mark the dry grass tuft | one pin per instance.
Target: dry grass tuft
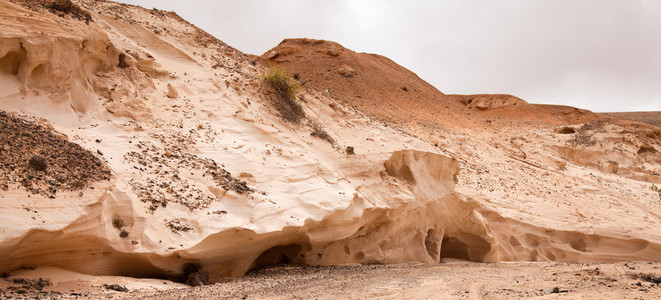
(319, 131)
(285, 88)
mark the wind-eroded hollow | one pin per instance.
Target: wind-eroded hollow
(465, 246)
(565, 130)
(281, 255)
(10, 63)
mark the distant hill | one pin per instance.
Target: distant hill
(649, 117)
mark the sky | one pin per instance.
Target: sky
(602, 55)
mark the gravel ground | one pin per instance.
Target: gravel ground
(449, 280)
(459, 280)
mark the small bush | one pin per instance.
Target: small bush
(319, 131)
(657, 190)
(285, 89)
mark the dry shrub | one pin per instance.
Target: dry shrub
(285, 88)
(657, 190)
(319, 131)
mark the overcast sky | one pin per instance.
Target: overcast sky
(602, 55)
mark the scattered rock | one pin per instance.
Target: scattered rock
(272, 55)
(350, 150)
(38, 163)
(653, 278)
(115, 287)
(177, 225)
(646, 149)
(555, 290)
(172, 92)
(34, 284)
(167, 186)
(118, 222)
(346, 71)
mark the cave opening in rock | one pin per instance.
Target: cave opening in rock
(122, 61)
(194, 275)
(566, 130)
(465, 246)
(281, 255)
(38, 75)
(10, 63)
(454, 248)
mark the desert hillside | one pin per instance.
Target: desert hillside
(136, 144)
(649, 117)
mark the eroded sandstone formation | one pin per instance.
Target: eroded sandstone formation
(206, 180)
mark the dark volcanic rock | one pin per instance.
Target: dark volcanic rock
(35, 158)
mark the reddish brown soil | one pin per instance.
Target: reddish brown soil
(390, 93)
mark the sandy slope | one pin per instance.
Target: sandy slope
(208, 180)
